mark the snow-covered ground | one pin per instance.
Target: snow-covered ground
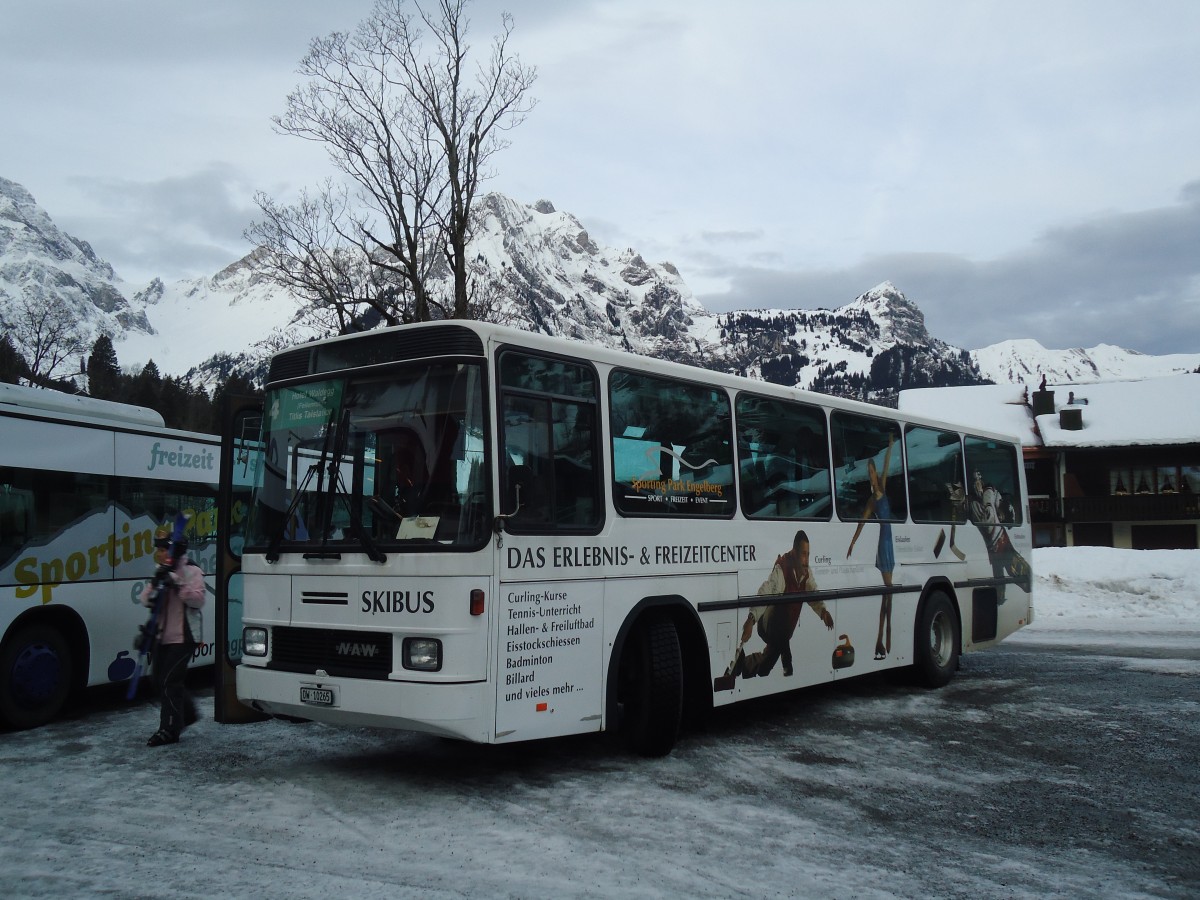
(811, 798)
(1115, 596)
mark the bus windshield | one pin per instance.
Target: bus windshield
(391, 462)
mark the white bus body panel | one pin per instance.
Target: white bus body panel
(534, 686)
(97, 565)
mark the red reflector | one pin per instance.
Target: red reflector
(477, 602)
(542, 707)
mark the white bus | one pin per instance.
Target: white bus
(498, 536)
(83, 483)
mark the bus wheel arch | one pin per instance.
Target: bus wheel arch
(43, 661)
(658, 675)
(937, 638)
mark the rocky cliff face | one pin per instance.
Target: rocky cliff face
(46, 266)
(867, 349)
(555, 279)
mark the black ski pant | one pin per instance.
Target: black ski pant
(170, 670)
(775, 628)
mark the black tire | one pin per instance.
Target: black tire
(35, 676)
(650, 692)
(936, 643)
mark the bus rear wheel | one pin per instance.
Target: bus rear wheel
(937, 641)
(650, 691)
(35, 676)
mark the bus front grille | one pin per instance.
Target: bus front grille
(346, 654)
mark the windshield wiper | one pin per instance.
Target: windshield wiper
(336, 486)
(318, 466)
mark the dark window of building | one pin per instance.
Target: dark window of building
(1093, 534)
(1040, 477)
(1162, 537)
(1144, 480)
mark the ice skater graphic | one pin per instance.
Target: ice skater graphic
(879, 508)
(958, 500)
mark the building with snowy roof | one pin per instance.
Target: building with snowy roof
(1113, 464)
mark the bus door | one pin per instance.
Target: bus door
(241, 454)
(549, 668)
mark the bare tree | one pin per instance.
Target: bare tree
(302, 247)
(414, 126)
(46, 334)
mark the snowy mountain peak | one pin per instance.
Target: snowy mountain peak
(151, 294)
(42, 266)
(543, 271)
(1025, 361)
(26, 229)
(899, 318)
(554, 278)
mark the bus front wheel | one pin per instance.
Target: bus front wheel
(651, 688)
(937, 642)
(35, 676)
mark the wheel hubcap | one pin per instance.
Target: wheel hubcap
(35, 676)
(941, 639)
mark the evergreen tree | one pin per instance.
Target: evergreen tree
(147, 388)
(102, 370)
(172, 403)
(12, 364)
(236, 385)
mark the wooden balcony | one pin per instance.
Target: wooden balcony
(1045, 509)
(1133, 508)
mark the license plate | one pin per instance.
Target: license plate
(317, 696)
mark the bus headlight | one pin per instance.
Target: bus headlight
(254, 641)
(422, 654)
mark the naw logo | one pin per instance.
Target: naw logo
(351, 648)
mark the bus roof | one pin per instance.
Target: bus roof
(302, 363)
(90, 407)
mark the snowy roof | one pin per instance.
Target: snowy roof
(988, 407)
(1151, 411)
(1128, 413)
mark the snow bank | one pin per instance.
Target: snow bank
(1115, 592)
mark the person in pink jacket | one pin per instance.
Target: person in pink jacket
(179, 629)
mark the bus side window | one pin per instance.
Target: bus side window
(16, 517)
(549, 443)
(935, 474)
(993, 481)
(37, 504)
(783, 459)
(868, 457)
(160, 500)
(672, 447)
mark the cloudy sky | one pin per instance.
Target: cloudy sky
(1019, 169)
